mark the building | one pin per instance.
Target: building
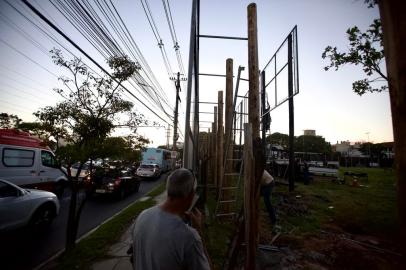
(348, 149)
(309, 132)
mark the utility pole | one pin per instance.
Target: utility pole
(167, 136)
(175, 121)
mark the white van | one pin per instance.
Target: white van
(25, 162)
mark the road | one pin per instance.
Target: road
(23, 250)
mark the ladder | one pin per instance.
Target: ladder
(228, 196)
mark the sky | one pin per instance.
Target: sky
(325, 102)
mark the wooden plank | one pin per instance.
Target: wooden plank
(249, 178)
(220, 140)
(228, 165)
(215, 145)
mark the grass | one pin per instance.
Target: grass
(217, 235)
(96, 245)
(368, 209)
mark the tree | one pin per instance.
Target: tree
(9, 120)
(91, 109)
(278, 138)
(314, 144)
(124, 148)
(365, 49)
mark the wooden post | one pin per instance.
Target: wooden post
(229, 100)
(253, 70)
(220, 141)
(208, 156)
(249, 211)
(228, 164)
(253, 179)
(212, 152)
(394, 37)
(216, 145)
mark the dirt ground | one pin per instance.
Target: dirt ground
(329, 247)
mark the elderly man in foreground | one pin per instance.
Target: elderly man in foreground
(162, 239)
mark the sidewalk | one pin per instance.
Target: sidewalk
(118, 258)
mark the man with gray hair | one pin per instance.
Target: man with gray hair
(161, 238)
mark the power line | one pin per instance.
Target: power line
(95, 31)
(19, 96)
(84, 53)
(31, 39)
(47, 94)
(15, 106)
(26, 56)
(21, 74)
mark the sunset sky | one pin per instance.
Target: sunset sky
(325, 103)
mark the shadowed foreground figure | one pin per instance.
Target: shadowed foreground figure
(161, 238)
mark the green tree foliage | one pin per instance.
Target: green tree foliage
(303, 143)
(123, 148)
(313, 144)
(9, 120)
(365, 49)
(278, 138)
(91, 109)
(373, 149)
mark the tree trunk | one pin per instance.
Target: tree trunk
(70, 230)
(394, 37)
(74, 215)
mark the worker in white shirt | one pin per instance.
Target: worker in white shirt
(267, 184)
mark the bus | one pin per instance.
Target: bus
(160, 157)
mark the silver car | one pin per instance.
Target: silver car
(148, 171)
(20, 207)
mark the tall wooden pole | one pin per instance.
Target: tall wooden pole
(228, 132)
(253, 180)
(253, 70)
(220, 141)
(394, 37)
(229, 100)
(215, 145)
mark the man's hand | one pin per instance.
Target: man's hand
(195, 217)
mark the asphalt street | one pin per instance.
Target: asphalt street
(23, 249)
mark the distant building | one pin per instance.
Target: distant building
(309, 132)
(348, 149)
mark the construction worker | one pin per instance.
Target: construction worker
(267, 184)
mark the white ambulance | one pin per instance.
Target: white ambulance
(26, 162)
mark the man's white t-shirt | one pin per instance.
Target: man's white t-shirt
(163, 241)
(266, 178)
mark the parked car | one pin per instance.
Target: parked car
(149, 171)
(21, 207)
(118, 182)
(84, 172)
(26, 162)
